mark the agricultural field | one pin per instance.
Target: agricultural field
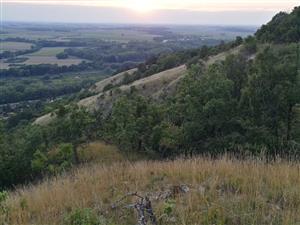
(48, 51)
(14, 46)
(36, 60)
(45, 55)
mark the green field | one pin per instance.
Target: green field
(51, 51)
(14, 46)
(36, 60)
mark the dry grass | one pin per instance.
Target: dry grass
(99, 152)
(102, 153)
(37, 60)
(114, 80)
(222, 191)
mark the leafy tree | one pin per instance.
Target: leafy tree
(54, 161)
(132, 123)
(283, 28)
(250, 45)
(272, 94)
(73, 127)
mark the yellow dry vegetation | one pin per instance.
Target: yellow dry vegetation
(101, 152)
(221, 191)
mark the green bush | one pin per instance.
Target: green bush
(3, 197)
(3, 206)
(55, 161)
(84, 217)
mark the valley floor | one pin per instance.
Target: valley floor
(184, 191)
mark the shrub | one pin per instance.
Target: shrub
(83, 217)
(3, 197)
(55, 161)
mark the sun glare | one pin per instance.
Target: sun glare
(141, 6)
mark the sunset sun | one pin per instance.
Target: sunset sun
(141, 6)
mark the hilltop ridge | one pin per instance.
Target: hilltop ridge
(283, 28)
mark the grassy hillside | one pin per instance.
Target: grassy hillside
(193, 191)
(155, 86)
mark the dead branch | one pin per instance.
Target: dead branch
(143, 207)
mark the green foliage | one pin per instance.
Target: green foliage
(4, 209)
(84, 217)
(55, 161)
(233, 105)
(238, 41)
(17, 149)
(132, 123)
(169, 207)
(283, 28)
(271, 95)
(62, 55)
(250, 44)
(30, 151)
(3, 197)
(17, 89)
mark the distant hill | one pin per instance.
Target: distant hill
(283, 28)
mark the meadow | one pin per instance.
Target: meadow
(217, 191)
(48, 51)
(36, 60)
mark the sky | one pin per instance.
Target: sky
(202, 12)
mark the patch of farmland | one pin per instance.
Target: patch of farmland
(14, 46)
(49, 51)
(36, 60)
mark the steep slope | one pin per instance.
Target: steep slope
(148, 87)
(114, 81)
(157, 86)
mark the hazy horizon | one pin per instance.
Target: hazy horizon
(216, 12)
